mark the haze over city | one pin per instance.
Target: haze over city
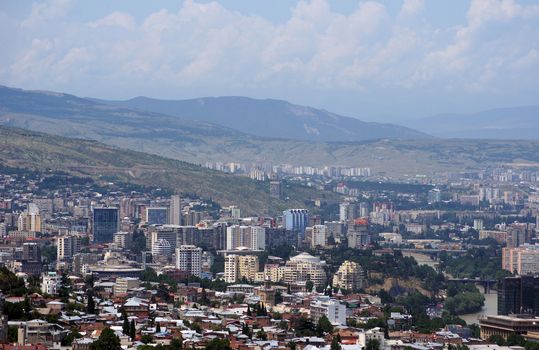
(269, 175)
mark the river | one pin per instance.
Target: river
(491, 299)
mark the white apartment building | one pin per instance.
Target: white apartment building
(189, 258)
(67, 246)
(50, 282)
(331, 308)
(252, 237)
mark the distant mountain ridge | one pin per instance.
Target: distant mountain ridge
(39, 151)
(511, 123)
(272, 118)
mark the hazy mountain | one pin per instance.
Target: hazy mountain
(39, 151)
(500, 123)
(272, 118)
(199, 142)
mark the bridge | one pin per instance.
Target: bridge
(433, 252)
(486, 283)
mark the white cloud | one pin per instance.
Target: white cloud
(45, 11)
(206, 46)
(115, 19)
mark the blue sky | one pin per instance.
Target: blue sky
(375, 60)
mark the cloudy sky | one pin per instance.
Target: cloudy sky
(376, 60)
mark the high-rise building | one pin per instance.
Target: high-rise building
(305, 267)
(358, 234)
(31, 252)
(123, 239)
(67, 246)
(523, 260)
(434, 196)
(296, 220)
(167, 233)
(319, 236)
(231, 268)
(276, 189)
(189, 258)
(30, 220)
(349, 276)
(105, 223)
(161, 249)
(238, 267)
(175, 210)
(157, 216)
(518, 295)
(252, 237)
(516, 235)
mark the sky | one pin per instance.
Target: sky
(374, 60)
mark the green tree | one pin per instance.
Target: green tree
(262, 335)
(218, 344)
(497, 339)
(63, 291)
(158, 328)
(68, 339)
(146, 339)
(335, 344)
(132, 330)
(90, 306)
(125, 325)
(372, 344)
(323, 326)
(309, 285)
(106, 341)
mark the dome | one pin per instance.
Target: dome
(305, 257)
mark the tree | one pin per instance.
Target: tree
(68, 339)
(262, 335)
(125, 326)
(309, 285)
(291, 345)
(176, 343)
(372, 344)
(323, 326)
(158, 328)
(497, 339)
(63, 291)
(246, 330)
(106, 341)
(278, 298)
(335, 344)
(218, 344)
(146, 339)
(132, 330)
(90, 306)
(249, 313)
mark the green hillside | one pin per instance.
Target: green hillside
(33, 150)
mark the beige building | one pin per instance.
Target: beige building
(30, 220)
(350, 276)
(305, 267)
(123, 284)
(524, 259)
(239, 266)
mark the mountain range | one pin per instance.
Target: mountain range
(197, 141)
(516, 123)
(271, 118)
